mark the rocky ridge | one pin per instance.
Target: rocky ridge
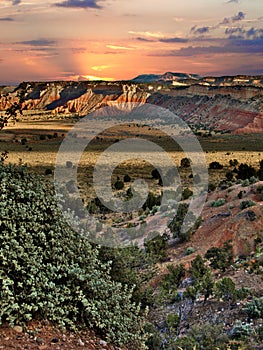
(216, 104)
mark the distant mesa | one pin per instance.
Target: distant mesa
(166, 77)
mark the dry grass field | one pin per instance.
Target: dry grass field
(36, 141)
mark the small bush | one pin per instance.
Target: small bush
(42, 137)
(226, 289)
(189, 251)
(218, 203)
(215, 166)
(155, 174)
(187, 193)
(246, 204)
(233, 162)
(241, 330)
(240, 194)
(245, 171)
(48, 171)
(254, 309)
(127, 178)
(220, 258)
(119, 185)
(185, 163)
(211, 187)
(245, 183)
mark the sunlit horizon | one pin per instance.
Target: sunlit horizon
(118, 40)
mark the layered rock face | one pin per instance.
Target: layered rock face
(235, 108)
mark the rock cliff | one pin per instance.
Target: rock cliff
(236, 108)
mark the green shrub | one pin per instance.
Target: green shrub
(48, 171)
(185, 163)
(215, 165)
(241, 330)
(245, 171)
(151, 201)
(174, 277)
(211, 187)
(254, 309)
(226, 289)
(245, 183)
(127, 178)
(240, 194)
(157, 246)
(218, 203)
(246, 204)
(220, 258)
(119, 185)
(155, 174)
(189, 251)
(48, 271)
(187, 193)
(176, 224)
(229, 175)
(233, 162)
(209, 336)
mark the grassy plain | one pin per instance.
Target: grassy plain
(36, 143)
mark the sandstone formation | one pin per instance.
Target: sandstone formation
(227, 103)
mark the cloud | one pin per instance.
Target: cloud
(173, 40)
(7, 19)
(231, 46)
(148, 34)
(231, 1)
(201, 30)
(38, 42)
(99, 68)
(245, 34)
(117, 47)
(84, 4)
(139, 38)
(16, 2)
(239, 17)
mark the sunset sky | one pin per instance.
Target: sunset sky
(120, 39)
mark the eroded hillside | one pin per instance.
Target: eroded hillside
(214, 104)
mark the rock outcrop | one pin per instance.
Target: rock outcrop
(218, 105)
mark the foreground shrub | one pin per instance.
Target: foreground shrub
(176, 225)
(218, 203)
(220, 258)
(254, 309)
(246, 204)
(48, 271)
(203, 337)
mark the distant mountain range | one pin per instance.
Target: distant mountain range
(188, 79)
(168, 76)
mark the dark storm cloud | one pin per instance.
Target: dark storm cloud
(201, 30)
(145, 39)
(251, 34)
(79, 4)
(173, 40)
(239, 17)
(231, 46)
(7, 19)
(38, 42)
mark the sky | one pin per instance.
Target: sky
(120, 39)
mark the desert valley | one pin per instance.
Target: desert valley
(166, 287)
